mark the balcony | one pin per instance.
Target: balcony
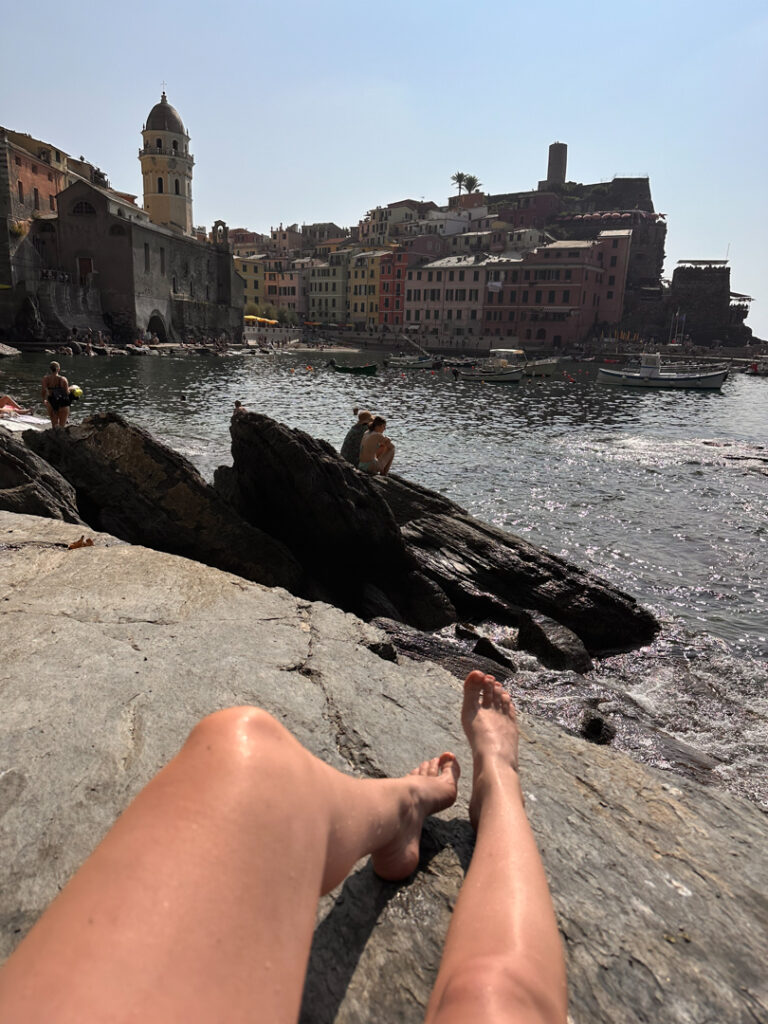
(163, 151)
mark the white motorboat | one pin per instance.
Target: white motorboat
(497, 369)
(651, 374)
(531, 367)
(414, 362)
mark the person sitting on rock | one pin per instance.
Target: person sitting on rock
(239, 407)
(376, 451)
(201, 901)
(56, 396)
(350, 447)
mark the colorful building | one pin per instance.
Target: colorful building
(393, 268)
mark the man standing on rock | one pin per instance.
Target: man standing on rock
(200, 904)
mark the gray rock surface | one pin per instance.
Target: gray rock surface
(6, 351)
(659, 884)
(144, 492)
(30, 486)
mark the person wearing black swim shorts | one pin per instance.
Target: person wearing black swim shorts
(56, 397)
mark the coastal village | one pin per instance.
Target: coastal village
(552, 268)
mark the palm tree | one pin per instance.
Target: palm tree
(459, 179)
(471, 183)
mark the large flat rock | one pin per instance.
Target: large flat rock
(111, 653)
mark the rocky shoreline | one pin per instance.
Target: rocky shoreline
(111, 652)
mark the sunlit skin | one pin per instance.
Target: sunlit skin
(200, 903)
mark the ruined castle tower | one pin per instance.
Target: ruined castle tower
(558, 161)
(166, 167)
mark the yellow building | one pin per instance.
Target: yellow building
(364, 287)
(252, 271)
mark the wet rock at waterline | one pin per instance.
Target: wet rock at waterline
(131, 485)
(29, 485)
(350, 530)
(655, 880)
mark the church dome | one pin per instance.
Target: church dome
(164, 118)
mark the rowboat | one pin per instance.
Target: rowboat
(512, 375)
(651, 374)
(368, 370)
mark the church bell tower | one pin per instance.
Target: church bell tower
(166, 167)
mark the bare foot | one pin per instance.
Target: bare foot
(433, 787)
(489, 720)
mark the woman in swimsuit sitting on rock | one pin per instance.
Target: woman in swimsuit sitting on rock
(200, 903)
(56, 396)
(376, 451)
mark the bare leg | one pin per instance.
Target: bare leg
(199, 905)
(503, 960)
(52, 413)
(63, 416)
(385, 460)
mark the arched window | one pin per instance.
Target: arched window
(176, 187)
(117, 229)
(175, 146)
(160, 185)
(159, 143)
(83, 209)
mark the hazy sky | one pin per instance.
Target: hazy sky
(317, 110)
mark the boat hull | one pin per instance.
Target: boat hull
(541, 368)
(358, 371)
(491, 377)
(697, 381)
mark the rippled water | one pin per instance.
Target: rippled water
(664, 494)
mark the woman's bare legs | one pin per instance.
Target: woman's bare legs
(385, 459)
(200, 903)
(503, 959)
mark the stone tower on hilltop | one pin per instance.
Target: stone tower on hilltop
(166, 167)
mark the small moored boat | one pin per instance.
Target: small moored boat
(368, 370)
(651, 374)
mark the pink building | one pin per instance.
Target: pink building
(393, 269)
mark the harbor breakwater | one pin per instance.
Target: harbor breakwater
(184, 639)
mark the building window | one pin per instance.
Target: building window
(146, 257)
(18, 161)
(537, 298)
(159, 143)
(51, 202)
(176, 187)
(615, 243)
(611, 279)
(160, 185)
(36, 199)
(21, 192)
(567, 295)
(173, 284)
(83, 209)
(609, 295)
(550, 296)
(175, 146)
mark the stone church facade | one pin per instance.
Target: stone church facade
(98, 260)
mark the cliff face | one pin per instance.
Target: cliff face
(111, 653)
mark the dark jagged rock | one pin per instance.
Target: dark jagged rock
(488, 649)
(297, 489)
(343, 527)
(130, 485)
(554, 645)
(595, 728)
(28, 485)
(442, 650)
(490, 574)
